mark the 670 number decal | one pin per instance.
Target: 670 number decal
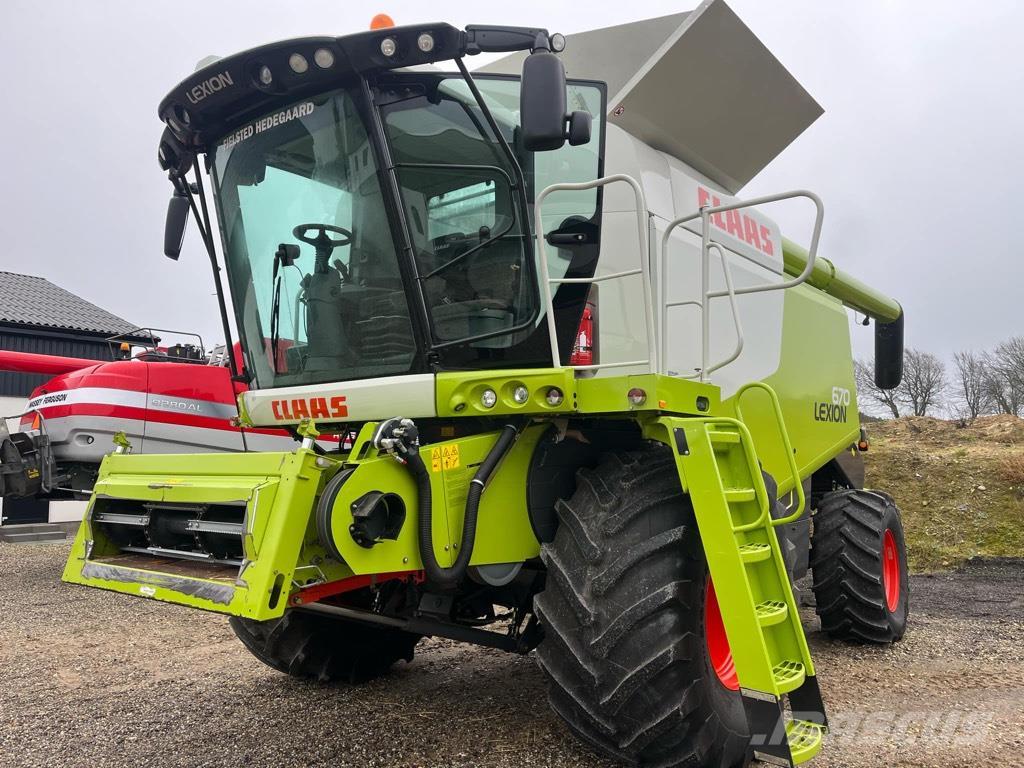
(837, 411)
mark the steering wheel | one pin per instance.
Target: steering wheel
(323, 242)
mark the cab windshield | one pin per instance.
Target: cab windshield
(311, 261)
(315, 271)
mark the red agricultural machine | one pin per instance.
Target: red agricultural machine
(165, 399)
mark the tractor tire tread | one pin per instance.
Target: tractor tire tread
(315, 646)
(624, 630)
(846, 561)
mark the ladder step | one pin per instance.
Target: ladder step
(736, 495)
(755, 552)
(721, 441)
(771, 612)
(805, 739)
(789, 675)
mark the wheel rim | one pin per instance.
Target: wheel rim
(718, 643)
(891, 570)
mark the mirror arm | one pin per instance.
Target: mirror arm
(481, 38)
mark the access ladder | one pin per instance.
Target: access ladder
(718, 468)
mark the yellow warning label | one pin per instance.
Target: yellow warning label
(444, 457)
(450, 456)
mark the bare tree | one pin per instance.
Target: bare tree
(971, 383)
(1004, 380)
(887, 398)
(924, 381)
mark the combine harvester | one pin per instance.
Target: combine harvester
(169, 399)
(589, 385)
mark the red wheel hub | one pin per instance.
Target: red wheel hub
(718, 643)
(891, 575)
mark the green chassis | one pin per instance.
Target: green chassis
(282, 554)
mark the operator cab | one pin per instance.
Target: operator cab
(377, 221)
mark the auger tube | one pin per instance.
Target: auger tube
(849, 290)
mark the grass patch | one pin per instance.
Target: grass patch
(1011, 469)
(961, 490)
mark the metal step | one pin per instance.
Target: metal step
(10, 535)
(29, 528)
(805, 739)
(755, 552)
(739, 495)
(789, 675)
(721, 440)
(771, 612)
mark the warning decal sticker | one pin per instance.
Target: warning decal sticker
(444, 457)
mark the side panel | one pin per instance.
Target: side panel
(503, 532)
(189, 408)
(363, 400)
(815, 385)
(277, 491)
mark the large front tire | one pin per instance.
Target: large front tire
(859, 562)
(623, 611)
(311, 645)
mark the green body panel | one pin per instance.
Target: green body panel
(815, 365)
(458, 394)
(503, 532)
(278, 491)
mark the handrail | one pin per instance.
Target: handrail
(798, 486)
(644, 270)
(760, 491)
(727, 272)
(731, 293)
(705, 213)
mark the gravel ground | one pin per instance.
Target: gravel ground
(90, 678)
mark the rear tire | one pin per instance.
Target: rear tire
(623, 612)
(311, 645)
(859, 562)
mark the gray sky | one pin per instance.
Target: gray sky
(917, 156)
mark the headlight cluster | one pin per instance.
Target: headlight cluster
(323, 58)
(514, 395)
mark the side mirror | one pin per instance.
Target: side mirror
(174, 226)
(579, 128)
(889, 353)
(542, 102)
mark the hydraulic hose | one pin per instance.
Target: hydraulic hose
(437, 575)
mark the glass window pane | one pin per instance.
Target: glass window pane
(303, 186)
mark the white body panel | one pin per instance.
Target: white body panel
(410, 396)
(672, 190)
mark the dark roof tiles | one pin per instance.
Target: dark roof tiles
(35, 301)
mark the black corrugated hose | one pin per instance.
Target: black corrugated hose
(449, 578)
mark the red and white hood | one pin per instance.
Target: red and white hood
(162, 408)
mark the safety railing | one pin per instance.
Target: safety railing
(644, 270)
(658, 352)
(704, 303)
(787, 447)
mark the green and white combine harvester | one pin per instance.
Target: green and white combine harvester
(587, 402)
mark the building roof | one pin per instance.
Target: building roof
(35, 301)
